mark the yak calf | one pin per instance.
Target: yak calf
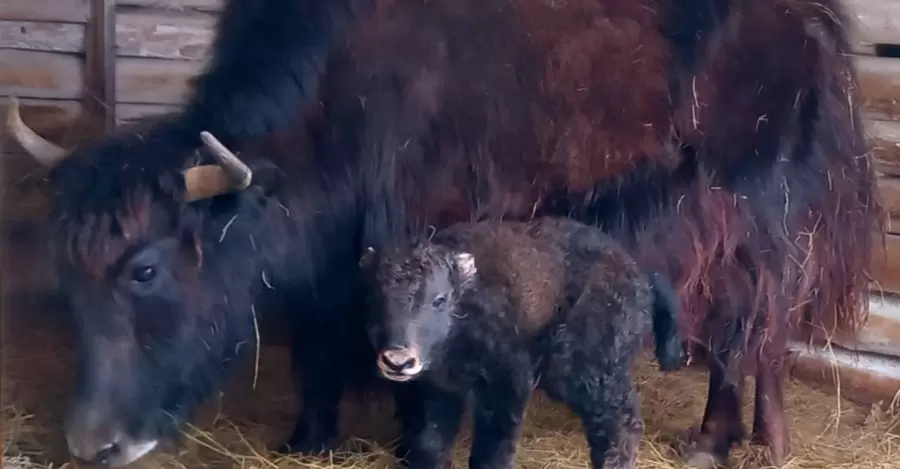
(499, 308)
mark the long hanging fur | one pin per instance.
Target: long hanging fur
(718, 139)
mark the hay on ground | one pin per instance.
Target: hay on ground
(238, 431)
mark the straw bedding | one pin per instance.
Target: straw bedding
(236, 430)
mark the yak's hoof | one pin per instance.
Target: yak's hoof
(772, 455)
(777, 448)
(703, 460)
(698, 451)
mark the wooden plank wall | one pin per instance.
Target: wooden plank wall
(867, 367)
(161, 44)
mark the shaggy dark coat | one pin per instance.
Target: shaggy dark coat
(497, 309)
(717, 139)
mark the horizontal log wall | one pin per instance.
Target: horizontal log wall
(866, 368)
(161, 44)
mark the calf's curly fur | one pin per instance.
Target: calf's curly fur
(499, 308)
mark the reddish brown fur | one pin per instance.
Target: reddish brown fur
(627, 128)
(603, 108)
(506, 251)
(729, 158)
(580, 109)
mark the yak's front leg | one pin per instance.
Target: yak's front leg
(769, 422)
(320, 380)
(722, 426)
(499, 409)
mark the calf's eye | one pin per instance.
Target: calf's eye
(144, 274)
(439, 300)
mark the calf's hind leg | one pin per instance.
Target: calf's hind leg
(623, 454)
(612, 445)
(610, 413)
(601, 395)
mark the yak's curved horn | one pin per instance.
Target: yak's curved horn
(236, 168)
(228, 175)
(46, 153)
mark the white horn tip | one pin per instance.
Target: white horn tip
(48, 154)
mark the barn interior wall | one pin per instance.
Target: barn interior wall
(161, 44)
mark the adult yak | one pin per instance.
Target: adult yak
(716, 138)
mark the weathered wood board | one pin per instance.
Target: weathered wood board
(47, 75)
(874, 21)
(884, 138)
(879, 86)
(78, 11)
(862, 377)
(889, 191)
(881, 334)
(138, 34)
(53, 119)
(886, 264)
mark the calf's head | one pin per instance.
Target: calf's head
(418, 297)
(153, 326)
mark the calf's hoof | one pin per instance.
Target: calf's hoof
(405, 464)
(310, 446)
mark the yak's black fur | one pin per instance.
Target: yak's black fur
(553, 304)
(714, 138)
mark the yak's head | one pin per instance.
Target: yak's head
(418, 294)
(153, 316)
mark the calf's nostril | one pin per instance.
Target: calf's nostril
(388, 362)
(104, 455)
(398, 360)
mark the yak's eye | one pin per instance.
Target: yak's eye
(144, 274)
(439, 300)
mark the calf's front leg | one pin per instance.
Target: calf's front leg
(499, 409)
(430, 419)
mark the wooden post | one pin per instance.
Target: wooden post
(100, 52)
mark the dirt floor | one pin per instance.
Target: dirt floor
(827, 432)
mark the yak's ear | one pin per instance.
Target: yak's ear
(268, 178)
(465, 265)
(368, 257)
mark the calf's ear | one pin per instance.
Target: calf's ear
(368, 257)
(465, 265)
